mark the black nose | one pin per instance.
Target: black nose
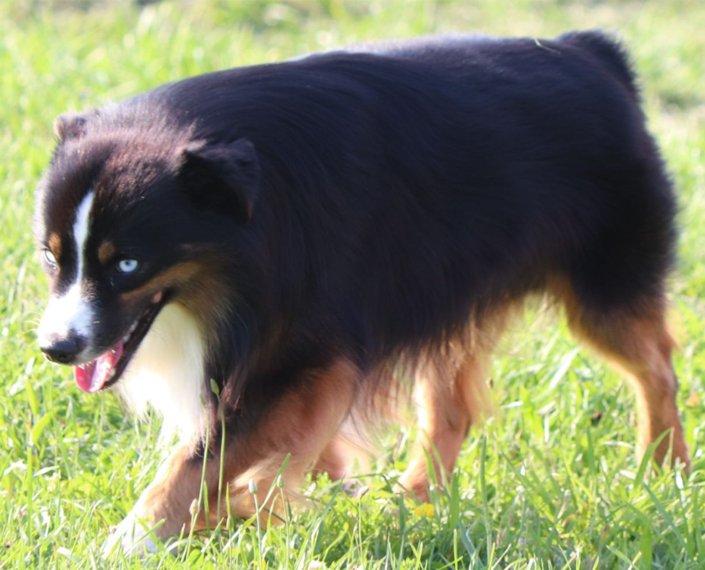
(62, 350)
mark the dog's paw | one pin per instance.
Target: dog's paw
(131, 537)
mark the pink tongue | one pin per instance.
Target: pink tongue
(92, 376)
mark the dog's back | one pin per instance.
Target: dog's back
(457, 172)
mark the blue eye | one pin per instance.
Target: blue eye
(128, 265)
(49, 258)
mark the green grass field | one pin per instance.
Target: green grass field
(550, 481)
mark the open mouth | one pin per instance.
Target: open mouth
(105, 370)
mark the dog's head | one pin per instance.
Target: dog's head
(128, 219)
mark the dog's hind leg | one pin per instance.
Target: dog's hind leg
(636, 341)
(450, 395)
(447, 402)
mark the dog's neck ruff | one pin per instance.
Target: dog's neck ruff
(167, 374)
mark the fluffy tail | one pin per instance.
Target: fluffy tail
(609, 51)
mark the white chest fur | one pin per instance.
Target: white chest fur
(167, 372)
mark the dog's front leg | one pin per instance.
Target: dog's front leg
(164, 508)
(288, 438)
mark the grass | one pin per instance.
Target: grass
(550, 481)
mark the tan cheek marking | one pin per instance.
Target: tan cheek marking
(55, 244)
(106, 251)
(176, 275)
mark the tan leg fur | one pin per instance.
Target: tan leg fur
(297, 429)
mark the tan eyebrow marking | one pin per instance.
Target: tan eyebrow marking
(55, 244)
(106, 251)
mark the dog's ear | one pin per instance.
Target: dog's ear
(71, 125)
(222, 177)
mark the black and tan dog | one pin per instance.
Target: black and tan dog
(301, 232)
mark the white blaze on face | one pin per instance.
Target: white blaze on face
(71, 311)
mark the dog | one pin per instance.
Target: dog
(261, 252)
